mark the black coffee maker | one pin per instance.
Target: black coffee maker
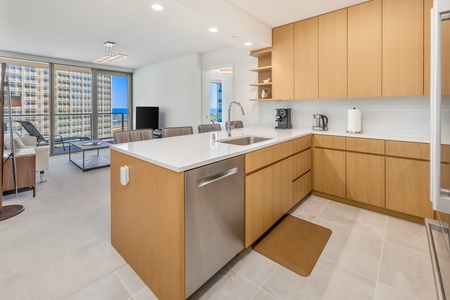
(283, 118)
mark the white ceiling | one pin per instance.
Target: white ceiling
(77, 30)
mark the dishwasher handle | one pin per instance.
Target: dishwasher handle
(215, 177)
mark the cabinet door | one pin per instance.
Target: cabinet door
(329, 171)
(268, 195)
(364, 50)
(283, 62)
(402, 44)
(365, 178)
(306, 59)
(408, 186)
(333, 55)
(445, 46)
(301, 187)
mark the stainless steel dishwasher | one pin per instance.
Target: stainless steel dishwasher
(214, 219)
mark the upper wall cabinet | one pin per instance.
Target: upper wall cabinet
(306, 59)
(402, 68)
(333, 55)
(364, 50)
(283, 59)
(445, 52)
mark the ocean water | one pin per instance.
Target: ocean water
(119, 110)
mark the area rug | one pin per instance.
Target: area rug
(295, 244)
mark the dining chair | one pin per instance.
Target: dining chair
(176, 131)
(209, 127)
(127, 136)
(235, 124)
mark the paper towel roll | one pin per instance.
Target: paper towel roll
(354, 121)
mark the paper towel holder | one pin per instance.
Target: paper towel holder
(354, 121)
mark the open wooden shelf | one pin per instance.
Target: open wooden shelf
(262, 69)
(261, 52)
(261, 84)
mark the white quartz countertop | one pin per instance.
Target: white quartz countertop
(187, 152)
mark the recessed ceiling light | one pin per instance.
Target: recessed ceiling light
(213, 29)
(248, 44)
(157, 7)
(233, 37)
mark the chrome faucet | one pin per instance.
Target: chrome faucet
(229, 115)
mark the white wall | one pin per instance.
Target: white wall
(174, 86)
(241, 62)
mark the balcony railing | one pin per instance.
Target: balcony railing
(69, 125)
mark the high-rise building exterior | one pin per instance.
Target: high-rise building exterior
(72, 100)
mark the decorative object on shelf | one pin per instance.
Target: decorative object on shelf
(264, 94)
(266, 80)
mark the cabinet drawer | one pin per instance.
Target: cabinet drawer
(327, 141)
(408, 149)
(365, 145)
(264, 157)
(301, 187)
(301, 144)
(301, 163)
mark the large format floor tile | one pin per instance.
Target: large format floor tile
(327, 281)
(108, 288)
(353, 249)
(308, 209)
(406, 233)
(226, 284)
(407, 270)
(253, 266)
(355, 218)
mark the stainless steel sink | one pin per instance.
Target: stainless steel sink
(244, 140)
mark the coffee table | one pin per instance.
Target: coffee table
(89, 162)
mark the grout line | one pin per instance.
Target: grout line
(115, 272)
(381, 255)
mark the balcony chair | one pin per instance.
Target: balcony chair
(235, 124)
(41, 140)
(175, 131)
(209, 127)
(127, 136)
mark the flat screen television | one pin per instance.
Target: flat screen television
(147, 117)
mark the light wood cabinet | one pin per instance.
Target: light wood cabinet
(264, 71)
(408, 186)
(147, 223)
(283, 59)
(263, 157)
(445, 52)
(402, 48)
(366, 178)
(333, 55)
(268, 195)
(306, 59)
(364, 50)
(301, 187)
(329, 171)
(329, 141)
(408, 149)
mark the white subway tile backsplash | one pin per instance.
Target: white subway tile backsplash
(403, 116)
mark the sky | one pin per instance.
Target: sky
(119, 92)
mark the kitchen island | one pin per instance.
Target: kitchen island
(148, 214)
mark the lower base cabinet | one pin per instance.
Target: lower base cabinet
(301, 187)
(329, 171)
(366, 178)
(268, 194)
(408, 186)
